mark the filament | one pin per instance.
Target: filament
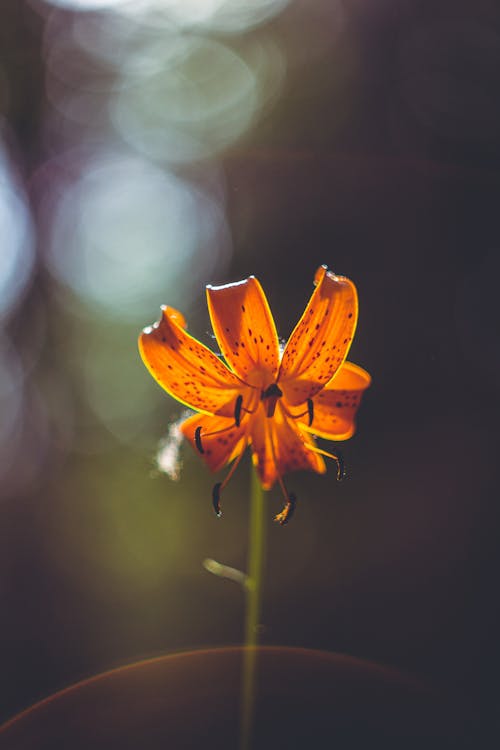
(309, 412)
(238, 408)
(290, 500)
(336, 457)
(217, 489)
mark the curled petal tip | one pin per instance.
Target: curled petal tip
(320, 273)
(174, 315)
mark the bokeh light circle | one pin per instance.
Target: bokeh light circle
(191, 107)
(16, 230)
(126, 236)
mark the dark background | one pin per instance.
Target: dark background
(377, 153)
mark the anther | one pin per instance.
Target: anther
(216, 499)
(237, 410)
(310, 410)
(222, 485)
(197, 439)
(340, 466)
(287, 511)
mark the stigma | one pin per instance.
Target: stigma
(271, 395)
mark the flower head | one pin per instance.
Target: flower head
(256, 396)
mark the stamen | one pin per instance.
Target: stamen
(197, 439)
(237, 410)
(285, 515)
(336, 457)
(310, 410)
(287, 511)
(216, 499)
(237, 423)
(197, 435)
(222, 485)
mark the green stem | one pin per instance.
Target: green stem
(256, 547)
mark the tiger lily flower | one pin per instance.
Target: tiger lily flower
(274, 401)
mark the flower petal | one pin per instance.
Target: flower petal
(335, 406)
(186, 369)
(245, 330)
(321, 339)
(278, 448)
(220, 448)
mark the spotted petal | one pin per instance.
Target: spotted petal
(245, 330)
(335, 406)
(321, 339)
(186, 369)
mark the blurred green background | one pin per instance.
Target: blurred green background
(149, 147)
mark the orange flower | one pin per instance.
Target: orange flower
(275, 402)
